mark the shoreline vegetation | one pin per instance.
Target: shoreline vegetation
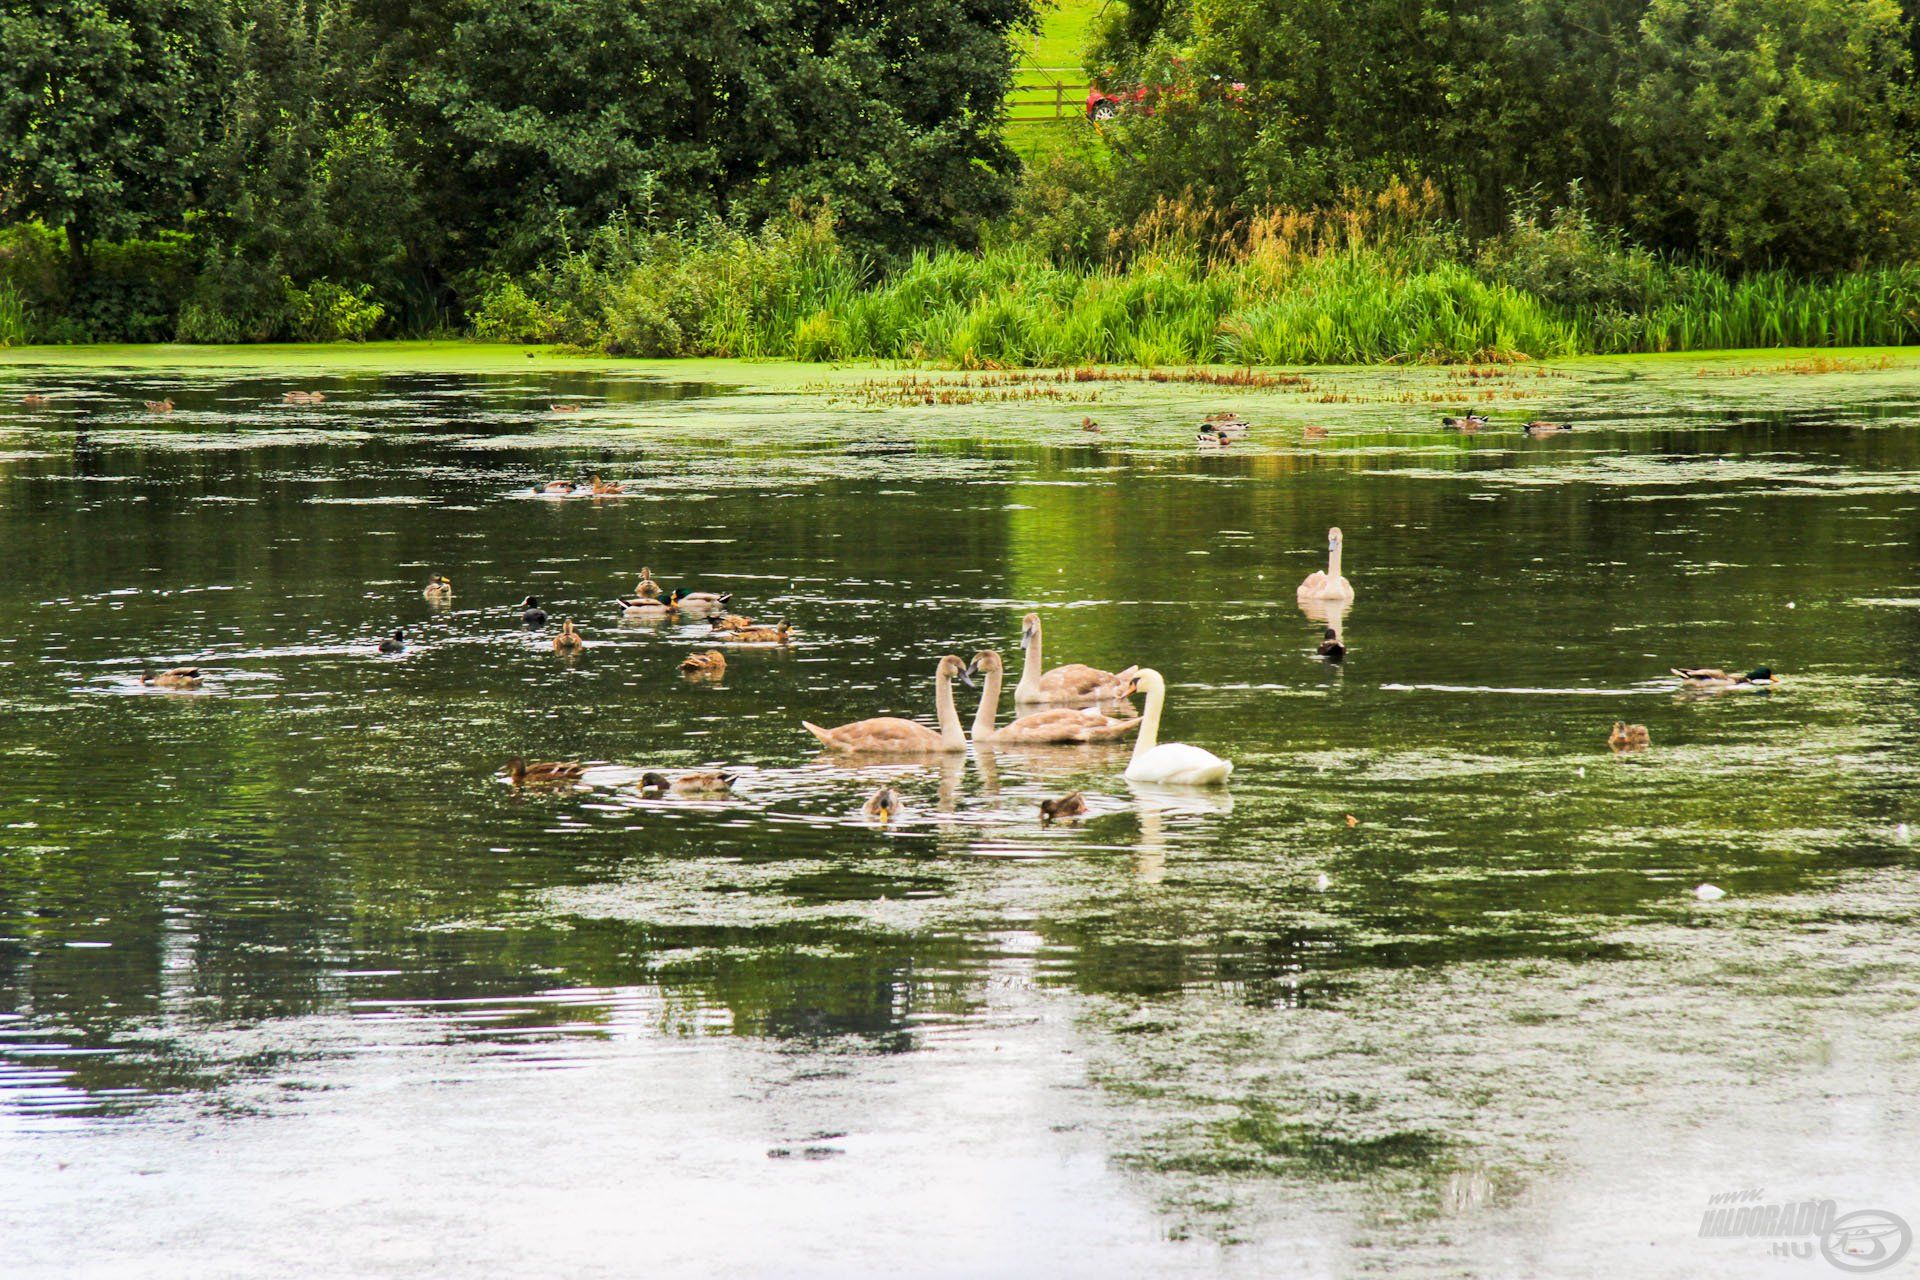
(817, 182)
(1382, 282)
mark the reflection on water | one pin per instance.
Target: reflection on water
(226, 898)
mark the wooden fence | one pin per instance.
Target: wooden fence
(1042, 95)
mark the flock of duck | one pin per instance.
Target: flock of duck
(1068, 704)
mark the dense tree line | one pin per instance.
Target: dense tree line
(247, 169)
(1747, 131)
(394, 151)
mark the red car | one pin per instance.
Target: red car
(1104, 104)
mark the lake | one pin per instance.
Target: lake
(292, 981)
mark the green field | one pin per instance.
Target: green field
(1062, 36)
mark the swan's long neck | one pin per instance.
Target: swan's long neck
(1150, 722)
(983, 719)
(1030, 667)
(1333, 560)
(951, 734)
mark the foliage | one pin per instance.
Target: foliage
(567, 114)
(105, 107)
(1742, 130)
(1768, 134)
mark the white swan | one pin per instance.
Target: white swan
(1328, 585)
(1173, 764)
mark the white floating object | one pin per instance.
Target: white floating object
(1901, 833)
(1583, 771)
(1709, 893)
(1789, 604)
(1323, 882)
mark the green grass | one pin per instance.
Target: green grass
(1062, 37)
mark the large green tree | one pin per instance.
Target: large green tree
(555, 116)
(1764, 133)
(105, 107)
(1741, 129)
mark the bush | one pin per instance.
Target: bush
(1563, 257)
(327, 312)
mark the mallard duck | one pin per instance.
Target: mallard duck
(439, 587)
(394, 643)
(1714, 677)
(558, 488)
(1629, 737)
(646, 588)
(711, 663)
(564, 408)
(731, 622)
(606, 488)
(1539, 428)
(781, 634)
(650, 607)
(1313, 431)
(545, 774)
(1465, 422)
(34, 400)
(1209, 438)
(1088, 424)
(1071, 805)
(568, 641)
(702, 601)
(160, 406)
(883, 805)
(304, 397)
(531, 613)
(1332, 648)
(173, 678)
(1225, 423)
(687, 784)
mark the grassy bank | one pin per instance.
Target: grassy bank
(1291, 292)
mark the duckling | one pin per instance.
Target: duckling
(1071, 805)
(712, 663)
(564, 408)
(1629, 737)
(1714, 677)
(1331, 647)
(395, 643)
(160, 406)
(34, 400)
(1088, 424)
(883, 805)
(1539, 428)
(568, 641)
(531, 613)
(649, 607)
(604, 488)
(545, 774)
(173, 678)
(439, 588)
(765, 635)
(1465, 422)
(687, 784)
